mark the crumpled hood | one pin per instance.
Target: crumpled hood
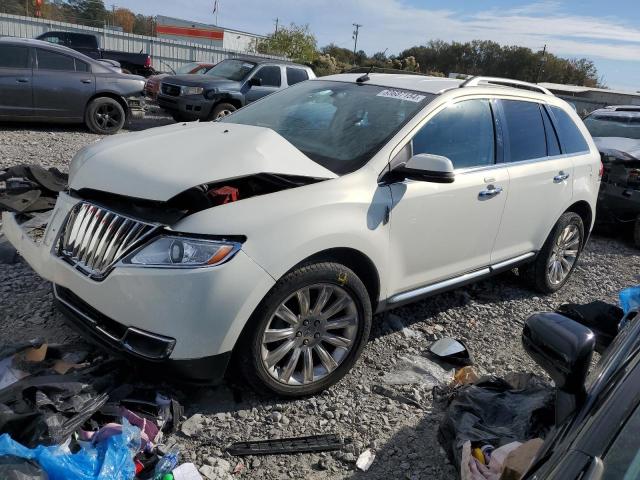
(159, 163)
(611, 145)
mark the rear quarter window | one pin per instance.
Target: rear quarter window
(525, 127)
(296, 75)
(571, 139)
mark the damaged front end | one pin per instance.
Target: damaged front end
(619, 198)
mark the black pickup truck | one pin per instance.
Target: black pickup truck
(136, 63)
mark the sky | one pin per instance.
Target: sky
(607, 32)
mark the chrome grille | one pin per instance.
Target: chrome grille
(94, 238)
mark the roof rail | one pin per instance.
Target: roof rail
(504, 82)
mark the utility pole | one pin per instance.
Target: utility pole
(113, 14)
(26, 7)
(277, 20)
(542, 62)
(355, 41)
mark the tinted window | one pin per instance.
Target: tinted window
(338, 125)
(54, 61)
(270, 76)
(82, 41)
(53, 38)
(462, 132)
(526, 136)
(622, 461)
(553, 146)
(570, 137)
(14, 57)
(296, 75)
(82, 66)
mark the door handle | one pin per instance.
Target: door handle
(22, 80)
(86, 80)
(561, 177)
(490, 192)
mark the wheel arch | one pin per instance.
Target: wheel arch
(583, 209)
(353, 259)
(118, 98)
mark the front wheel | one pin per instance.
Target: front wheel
(559, 255)
(221, 110)
(307, 332)
(105, 116)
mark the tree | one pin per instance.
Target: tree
(124, 18)
(295, 42)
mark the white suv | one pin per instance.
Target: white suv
(271, 237)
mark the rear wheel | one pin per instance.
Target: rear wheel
(221, 110)
(559, 255)
(308, 331)
(105, 116)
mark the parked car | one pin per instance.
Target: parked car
(616, 131)
(152, 87)
(87, 43)
(274, 234)
(44, 82)
(598, 411)
(229, 85)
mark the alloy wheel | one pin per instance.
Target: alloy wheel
(564, 254)
(222, 114)
(310, 334)
(108, 117)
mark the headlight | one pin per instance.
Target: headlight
(192, 90)
(170, 251)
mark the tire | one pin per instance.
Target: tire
(636, 233)
(221, 110)
(105, 116)
(557, 250)
(287, 376)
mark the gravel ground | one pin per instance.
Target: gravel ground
(487, 316)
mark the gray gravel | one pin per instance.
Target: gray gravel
(487, 316)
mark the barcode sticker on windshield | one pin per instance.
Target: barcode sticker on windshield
(401, 95)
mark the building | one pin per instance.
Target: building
(184, 30)
(588, 99)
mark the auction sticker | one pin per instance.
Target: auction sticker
(401, 95)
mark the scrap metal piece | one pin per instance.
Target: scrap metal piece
(393, 395)
(313, 443)
(19, 203)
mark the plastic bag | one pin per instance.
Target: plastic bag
(497, 411)
(630, 298)
(111, 459)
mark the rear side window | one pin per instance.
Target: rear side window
(270, 76)
(82, 66)
(526, 134)
(81, 41)
(55, 61)
(462, 132)
(553, 146)
(296, 75)
(571, 138)
(12, 56)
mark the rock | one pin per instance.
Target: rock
(275, 417)
(365, 460)
(216, 469)
(193, 425)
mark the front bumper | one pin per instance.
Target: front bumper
(136, 104)
(195, 106)
(203, 310)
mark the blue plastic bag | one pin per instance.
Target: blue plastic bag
(630, 298)
(111, 459)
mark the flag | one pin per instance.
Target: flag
(215, 6)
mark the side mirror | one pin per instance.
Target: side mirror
(255, 81)
(563, 348)
(428, 168)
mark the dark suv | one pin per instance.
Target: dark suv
(229, 85)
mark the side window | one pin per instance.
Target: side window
(622, 461)
(54, 38)
(14, 57)
(270, 76)
(296, 75)
(82, 66)
(526, 137)
(553, 146)
(81, 41)
(54, 61)
(463, 132)
(570, 136)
